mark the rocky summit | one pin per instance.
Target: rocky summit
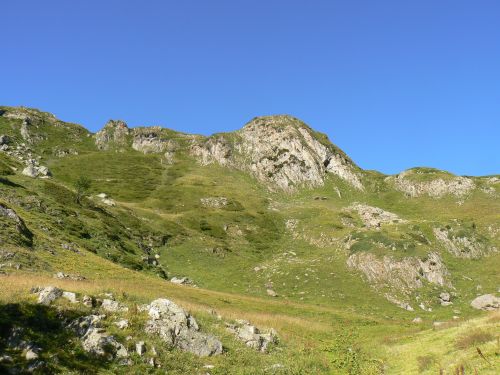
(266, 250)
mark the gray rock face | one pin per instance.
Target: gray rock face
(179, 329)
(49, 294)
(149, 140)
(461, 247)
(251, 335)
(487, 302)
(281, 151)
(404, 275)
(435, 188)
(114, 133)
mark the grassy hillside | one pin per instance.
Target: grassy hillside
(240, 242)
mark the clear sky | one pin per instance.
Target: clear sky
(394, 83)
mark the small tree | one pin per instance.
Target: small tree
(82, 186)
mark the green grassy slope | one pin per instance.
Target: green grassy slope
(236, 252)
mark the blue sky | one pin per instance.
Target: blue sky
(396, 84)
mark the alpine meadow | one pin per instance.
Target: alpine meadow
(267, 250)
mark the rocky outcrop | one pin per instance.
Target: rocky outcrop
(148, 140)
(177, 328)
(461, 247)
(408, 183)
(405, 275)
(487, 302)
(373, 217)
(252, 336)
(14, 227)
(114, 133)
(281, 151)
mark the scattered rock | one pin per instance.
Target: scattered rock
(487, 302)
(62, 275)
(82, 324)
(374, 217)
(252, 336)
(88, 301)
(271, 293)
(179, 329)
(31, 354)
(96, 341)
(444, 299)
(49, 294)
(34, 170)
(113, 306)
(140, 348)
(417, 320)
(70, 296)
(422, 306)
(214, 202)
(181, 280)
(122, 324)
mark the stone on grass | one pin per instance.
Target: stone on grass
(140, 348)
(70, 296)
(49, 294)
(177, 328)
(113, 306)
(487, 302)
(251, 335)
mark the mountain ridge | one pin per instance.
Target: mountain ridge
(20, 112)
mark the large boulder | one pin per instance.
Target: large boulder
(487, 302)
(177, 328)
(49, 294)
